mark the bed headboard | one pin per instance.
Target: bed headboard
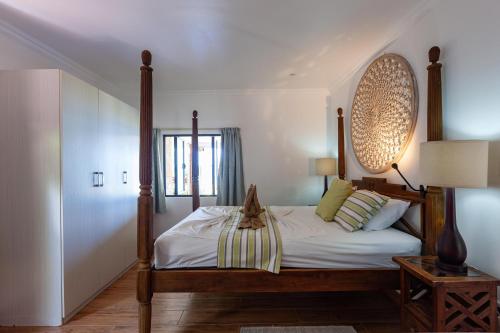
(397, 191)
(432, 203)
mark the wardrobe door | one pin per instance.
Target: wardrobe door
(30, 248)
(81, 198)
(130, 189)
(111, 203)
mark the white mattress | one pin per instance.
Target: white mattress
(308, 241)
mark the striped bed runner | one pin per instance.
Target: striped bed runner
(248, 248)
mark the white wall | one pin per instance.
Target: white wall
(467, 33)
(282, 132)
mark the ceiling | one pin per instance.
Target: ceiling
(214, 44)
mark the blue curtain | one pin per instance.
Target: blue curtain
(158, 183)
(230, 182)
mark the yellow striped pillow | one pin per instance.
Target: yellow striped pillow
(359, 208)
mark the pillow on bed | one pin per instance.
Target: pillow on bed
(358, 208)
(334, 198)
(389, 214)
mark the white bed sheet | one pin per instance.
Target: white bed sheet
(308, 241)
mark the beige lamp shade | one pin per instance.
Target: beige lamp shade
(326, 166)
(462, 164)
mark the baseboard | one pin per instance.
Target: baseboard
(68, 317)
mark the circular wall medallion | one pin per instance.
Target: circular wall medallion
(384, 113)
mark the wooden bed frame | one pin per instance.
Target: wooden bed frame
(151, 280)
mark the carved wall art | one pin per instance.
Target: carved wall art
(384, 113)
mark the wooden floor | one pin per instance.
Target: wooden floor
(115, 310)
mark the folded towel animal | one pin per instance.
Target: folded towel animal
(252, 210)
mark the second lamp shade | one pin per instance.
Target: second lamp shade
(326, 166)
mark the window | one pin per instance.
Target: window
(177, 164)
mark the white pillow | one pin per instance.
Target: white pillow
(391, 212)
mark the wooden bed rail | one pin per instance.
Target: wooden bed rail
(288, 280)
(145, 201)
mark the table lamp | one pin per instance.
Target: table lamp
(326, 166)
(452, 164)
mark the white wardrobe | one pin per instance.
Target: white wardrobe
(68, 191)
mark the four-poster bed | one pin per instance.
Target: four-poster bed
(151, 279)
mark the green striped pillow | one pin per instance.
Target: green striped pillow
(359, 208)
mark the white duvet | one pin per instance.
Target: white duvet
(308, 241)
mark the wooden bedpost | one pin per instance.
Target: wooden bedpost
(435, 199)
(341, 148)
(145, 201)
(195, 182)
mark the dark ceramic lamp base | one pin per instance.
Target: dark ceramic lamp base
(456, 269)
(451, 250)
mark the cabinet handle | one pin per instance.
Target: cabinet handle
(101, 179)
(95, 179)
(124, 177)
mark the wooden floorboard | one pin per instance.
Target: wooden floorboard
(115, 311)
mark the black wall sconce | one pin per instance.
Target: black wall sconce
(421, 188)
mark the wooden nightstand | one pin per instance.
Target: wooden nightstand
(433, 300)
